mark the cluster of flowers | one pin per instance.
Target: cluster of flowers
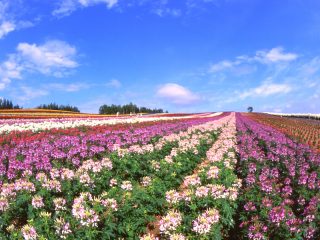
(303, 129)
(46, 124)
(207, 184)
(187, 140)
(68, 196)
(82, 208)
(281, 184)
(37, 154)
(202, 225)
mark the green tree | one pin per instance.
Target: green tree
(7, 104)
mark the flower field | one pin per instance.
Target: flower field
(304, 130)
(184, 176)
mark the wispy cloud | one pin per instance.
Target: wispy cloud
(162, 12)
(6, 27)
(272, 56)
(266, 89)
(28, 93)
(66, 7)
(9, 69)
(311, 67)
(177, 94)
(225, 64)
(161, 8)
(70, 87)
(115, 83)
(10, 20)
(53, 58)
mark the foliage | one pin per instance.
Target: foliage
(54, 106)
(7, 104)
(126, 109)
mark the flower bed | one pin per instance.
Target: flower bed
(205, 204)
(36, 126)
(223, 177)
(56, 150)
(280, 197)
(108, 196)
(304, 130)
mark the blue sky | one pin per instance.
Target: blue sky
(179, 55)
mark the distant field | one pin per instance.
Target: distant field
(42, 113)
(204, 176)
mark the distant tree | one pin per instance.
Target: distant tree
(54, 106)
(7, 104)
(250, 109)
(126, 109)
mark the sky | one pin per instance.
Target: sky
(178, 55)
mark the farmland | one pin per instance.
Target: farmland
(163, 176)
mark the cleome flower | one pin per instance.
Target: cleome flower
(213, 172)
(148, 237)
(37, 202)
(172, 196)
(113, 182)
(177, 236)
(126, 185)
(59, 204)
(146, 181)
(4, 204)
(202, 225)
(170, 222)
(192, 180)
(87, 217)
(62, 228)
(29, 232)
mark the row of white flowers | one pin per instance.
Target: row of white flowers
(300, 115)
(51, 124)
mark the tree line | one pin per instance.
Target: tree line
(7, 104)
(104, 109)
(127, 109)
(54, 106)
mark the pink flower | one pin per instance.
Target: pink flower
(202, 225)
(29, 232)
(37, 202)
(170, 222)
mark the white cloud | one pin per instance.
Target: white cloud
(114, 83)
(9, 70)
(177, 94)
(9, 18)
(311, 67)
(53, 58)
(66, 7)
(162, 12)
(71, 87)
(223, 65)
(266, 89)
(6, 27)
(275, 55)
(29, 93)
(86, 3)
